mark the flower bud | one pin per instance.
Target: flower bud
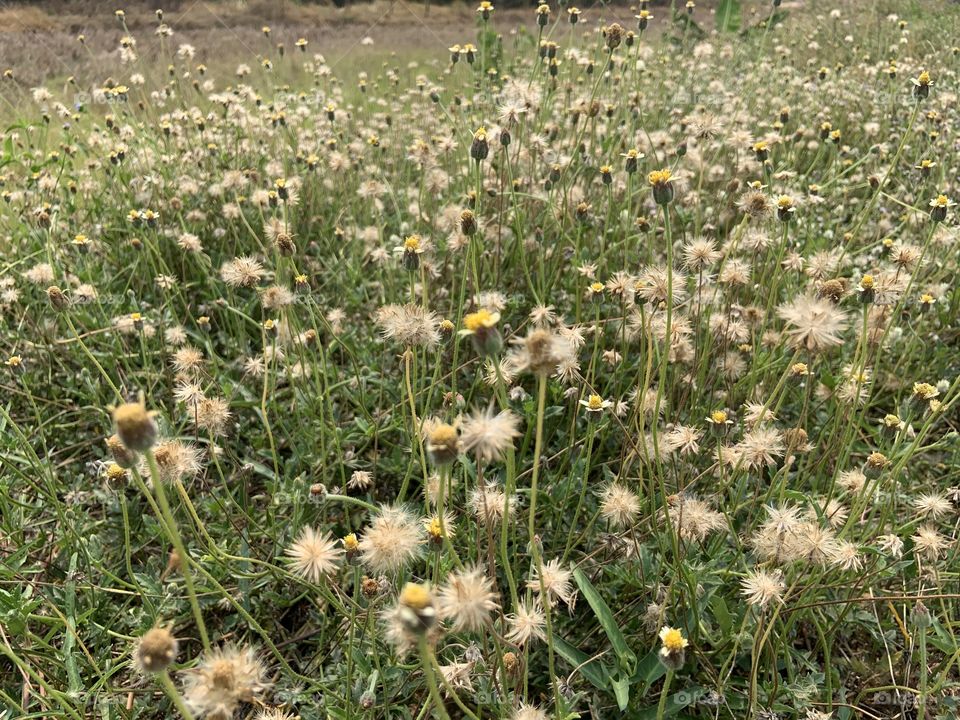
(156, 650)
(135, 427)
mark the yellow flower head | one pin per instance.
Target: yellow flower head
(659, 177)
(434, 529)
(479, 320)
(412, 244)
(925, 391)
(416, 596)
(672, 640)
(350, 543)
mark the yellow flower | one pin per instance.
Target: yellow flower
(925, 391)
(434, 528)
(350, 542)
(719, 417)
(482, 319)
(595, 404)
(659, 177)
(672, 640)
(416, 596)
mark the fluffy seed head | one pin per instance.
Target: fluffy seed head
(156, 649)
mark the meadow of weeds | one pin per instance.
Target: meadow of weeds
(597, 369)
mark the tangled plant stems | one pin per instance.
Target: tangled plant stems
(607, 369)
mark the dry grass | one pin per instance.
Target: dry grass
(40, 41)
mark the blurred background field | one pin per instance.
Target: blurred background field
(40, 39)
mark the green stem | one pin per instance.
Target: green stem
(664, 693)
(426, 662)
(171, 690)
(174, 534)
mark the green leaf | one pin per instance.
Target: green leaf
(728, 15)
(649, 670)
(592, 670)
(621, 690)
(722, 615)
(626, 656)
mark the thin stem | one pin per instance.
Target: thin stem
(171, 690)
(173, 532)
(426, 662)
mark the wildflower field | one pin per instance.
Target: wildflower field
(602, 365)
